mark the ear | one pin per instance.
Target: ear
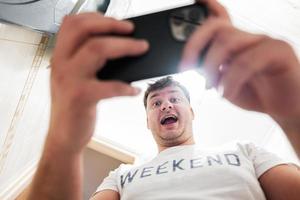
(148, 123)
(193, 115)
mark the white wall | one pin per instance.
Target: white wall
(24, 103)
(96, 168)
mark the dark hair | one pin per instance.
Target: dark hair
(163, 83)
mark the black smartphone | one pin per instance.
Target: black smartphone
(166, 31)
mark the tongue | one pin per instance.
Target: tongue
(170, 121)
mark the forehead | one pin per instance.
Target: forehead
(165, 91)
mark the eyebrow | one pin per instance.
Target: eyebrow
(157, 94)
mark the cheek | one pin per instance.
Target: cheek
(185, 114)
(152, 118)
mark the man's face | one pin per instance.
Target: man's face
(169, 116)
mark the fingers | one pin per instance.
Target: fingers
(267, 58)
(108, 89)
(85, 42)
(221, 41)
(75, 30)
(227, 43)
(200, 40)
(242, 69)
(216, 9)
(96, 51)
(246, 97)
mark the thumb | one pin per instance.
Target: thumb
(108, 89)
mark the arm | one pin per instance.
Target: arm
(106, 195)
(59, 175)
(281, 182)
(291, 128)
(83, 46)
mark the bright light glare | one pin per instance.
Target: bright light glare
(194, 82)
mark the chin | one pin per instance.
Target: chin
(171, 135)
(172, 143)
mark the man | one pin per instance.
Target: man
(257, 73)
(183, 171)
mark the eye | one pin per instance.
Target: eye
(156, 103)
(174, 100)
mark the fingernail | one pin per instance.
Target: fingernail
(129, 24)
(145, 44)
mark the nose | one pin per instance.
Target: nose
(165, 106)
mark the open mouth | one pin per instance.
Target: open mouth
(170, 119)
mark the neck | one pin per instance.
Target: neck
(189, 141)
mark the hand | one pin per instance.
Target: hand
(84, 44)
(255, 72)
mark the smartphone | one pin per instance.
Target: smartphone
(166, 31)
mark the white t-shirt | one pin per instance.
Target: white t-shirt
(187, 172)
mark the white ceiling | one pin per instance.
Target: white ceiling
(277, 18)
(123, 121)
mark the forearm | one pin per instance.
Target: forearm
(292, 130)
(59, 175)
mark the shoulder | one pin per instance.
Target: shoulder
(124, 167)
(245, 147)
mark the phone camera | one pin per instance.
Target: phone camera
(177, 22)
(195, 15)
(188, 30)
(177, 18)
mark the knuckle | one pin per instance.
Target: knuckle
(270, 40)
(80, 24)
(282, 44)
(263, 37)
(66, 19)
(71, 20)
(110, 22)
(282, 48)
